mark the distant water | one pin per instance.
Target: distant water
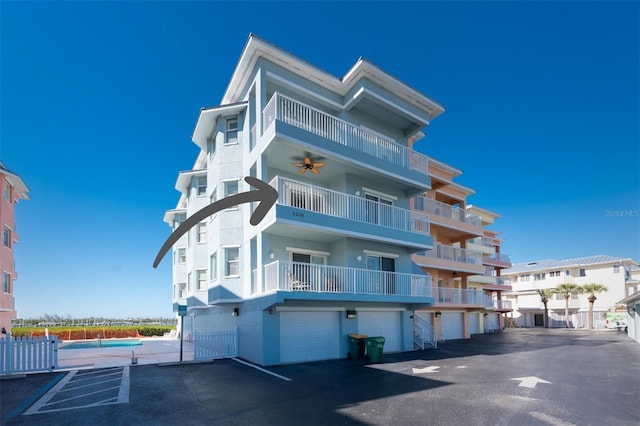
(104, 343)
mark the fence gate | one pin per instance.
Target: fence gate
(28, 354)
(215, 345)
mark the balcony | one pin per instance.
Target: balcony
(458, 296)
(324, 210)
(482, 244)
(503, 305)
(452, 258)
(498, 260)
(347, 139)
(324, 282)
(460, 224)
(491, 281)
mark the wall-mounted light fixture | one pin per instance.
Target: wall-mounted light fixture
(438, 314)
(357, 193)
(486, 314)
(351, 314)
(235, 312)
(359, 258)
(271, 255)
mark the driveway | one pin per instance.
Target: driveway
(520, 376)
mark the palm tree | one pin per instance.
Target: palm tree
(566, 289)
(545, 296)
(592, 289)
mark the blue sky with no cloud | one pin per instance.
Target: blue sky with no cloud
(99, 100)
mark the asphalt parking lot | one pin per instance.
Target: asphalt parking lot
(520, 376)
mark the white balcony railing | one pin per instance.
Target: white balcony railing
(498, 257)
(502, 304)
(297, 276)
(438, 208)
(313, 120)
(458, 296)
(455, 254)
(338, 204)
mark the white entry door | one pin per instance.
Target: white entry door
(452, 325)
(386, 324)
(309, 336)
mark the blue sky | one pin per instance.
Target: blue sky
(99, 100)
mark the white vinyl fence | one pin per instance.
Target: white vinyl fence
(28, 354)
(215, 345)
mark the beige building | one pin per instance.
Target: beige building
(619, 275)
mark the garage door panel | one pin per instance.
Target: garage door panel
(452, 325)
(309, 336)
(385, 324)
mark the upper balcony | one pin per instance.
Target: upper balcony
(498, 260)
(482, 244)
(460, 224)
(451, 258)
(490, 281)
(503, 305)
(325, 214)
(355, 146)
(305, 281)
(462, 297)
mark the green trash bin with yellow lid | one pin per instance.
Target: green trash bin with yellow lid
(356, 346)
(375, 348)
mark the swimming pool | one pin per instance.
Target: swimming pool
(103, 343)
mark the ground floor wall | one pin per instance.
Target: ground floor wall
(303, 331)
(577, 319)
(633, 322)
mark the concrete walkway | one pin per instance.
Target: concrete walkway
(154, 350)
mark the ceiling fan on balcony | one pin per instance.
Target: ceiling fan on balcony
(308, 164)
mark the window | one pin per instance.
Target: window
(573, 294)
(201, 279)
(554, 273)
(211, 147)
(7, 191)
(182, 255)
(419, 203)
(231, 188)
(538, 277)
(201, 233)
(616, 269)
(381, 276)
(183, 290)
(231, 131)
(583, 273)
(201, 185)
(6, 237)
(213, 266)
(212, 199)
(525, 277)
(232, 262)
(189, 282)
(6, 282)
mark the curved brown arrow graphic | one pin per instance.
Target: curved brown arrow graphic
(265, 194)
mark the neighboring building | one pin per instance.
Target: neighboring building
(13, 190)
(616, 273)
(465, 264)
(334, 255)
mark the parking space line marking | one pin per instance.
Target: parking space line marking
(44, 404)
(550, 419)
(50, 394)
(123, 394)
(286, 379)
(86, 385)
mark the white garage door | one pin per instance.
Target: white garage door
(452, 325)
(493, 322)
(309, 336)
(474, 323)
(385, 324)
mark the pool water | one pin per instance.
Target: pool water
(106, 343)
